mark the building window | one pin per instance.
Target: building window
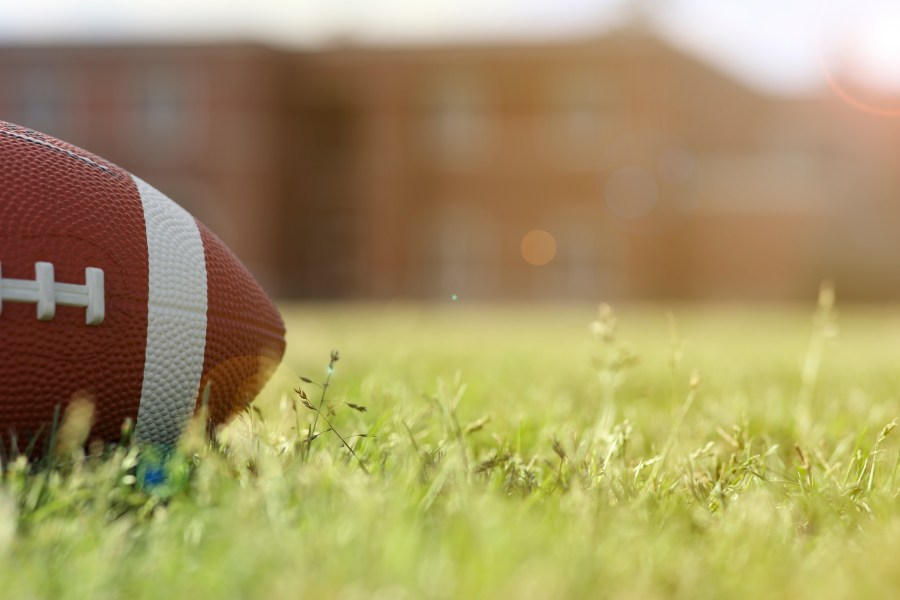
(588, 263)
(458, 123)
(578, 120)
(464, 251)
(163, 111)
(579, 256)
(43, 101)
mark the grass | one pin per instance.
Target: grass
(512, 452)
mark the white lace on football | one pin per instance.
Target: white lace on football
(47, 293)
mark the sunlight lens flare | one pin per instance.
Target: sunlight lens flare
(854, 98)
(861, 63)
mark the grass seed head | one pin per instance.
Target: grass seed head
(604, 328)
(559, 450)
(479, 424)
(76, 426)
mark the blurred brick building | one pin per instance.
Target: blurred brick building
(416, 172)
(203, 124)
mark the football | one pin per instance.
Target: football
(112, 292)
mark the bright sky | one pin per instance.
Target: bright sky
(779, 45)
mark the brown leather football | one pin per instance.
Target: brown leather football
(111, 291)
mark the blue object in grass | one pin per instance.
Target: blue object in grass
(153, 476)
(152, 471)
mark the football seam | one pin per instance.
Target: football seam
(65, 151)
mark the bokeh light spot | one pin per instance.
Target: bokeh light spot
(631, 192)
(538, 247)
(675, 165)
